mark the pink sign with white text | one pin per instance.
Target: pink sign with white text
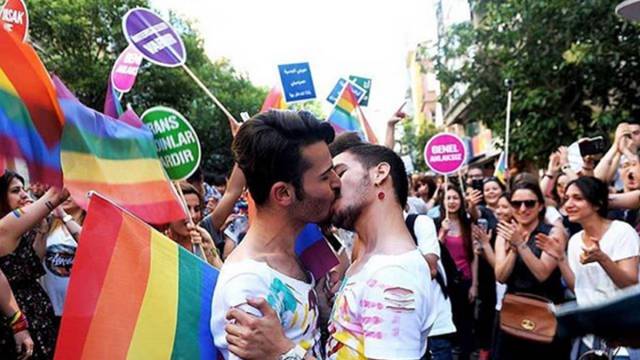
(445, 153)
(125, 69)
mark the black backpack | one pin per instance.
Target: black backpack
(454, 276)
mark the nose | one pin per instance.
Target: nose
(335, 181)
(24, 194)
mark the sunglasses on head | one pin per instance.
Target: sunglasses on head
(527, 203)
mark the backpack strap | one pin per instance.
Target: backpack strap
(410, 221)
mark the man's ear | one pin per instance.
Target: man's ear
(282, 193)
(381, 173)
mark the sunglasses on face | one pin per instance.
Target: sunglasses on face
(529, 204)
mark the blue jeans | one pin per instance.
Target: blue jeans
(440, 347)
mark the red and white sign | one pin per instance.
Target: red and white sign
(445, 153)
(15, 18)
(125, 69)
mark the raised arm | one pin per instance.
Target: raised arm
(235, 187)
(21, 220)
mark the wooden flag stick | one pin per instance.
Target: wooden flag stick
(197, 248)
(206, 90)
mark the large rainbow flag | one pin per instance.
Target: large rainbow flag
(31, 121)
(134, 293)
(114, 158)
(342, 118)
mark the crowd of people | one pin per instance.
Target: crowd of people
(425, 265)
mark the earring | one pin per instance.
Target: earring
(381, 195)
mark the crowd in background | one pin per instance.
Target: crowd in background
(561, 233)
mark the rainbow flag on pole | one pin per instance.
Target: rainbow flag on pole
(134, 294)
(342, 118)
(114, 158)
(501, 169)
(274, 100)
(31, 121)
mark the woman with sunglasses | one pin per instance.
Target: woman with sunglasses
(455, 234)
(601, 260)
(524, 268)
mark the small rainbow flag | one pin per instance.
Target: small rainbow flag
(274, 100)
(31, 121)
(501, 168)
(341, 118)
(112, 105)
(114, 158)
(370, 136)
(134, 294)
(314, 252)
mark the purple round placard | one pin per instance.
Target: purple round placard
(156, 40)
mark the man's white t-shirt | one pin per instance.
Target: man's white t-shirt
(425, 231)
(383, 311)
(293, 300)
(592, 284)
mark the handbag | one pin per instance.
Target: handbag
(529, 317)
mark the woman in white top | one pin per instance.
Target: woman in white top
(60, 252)
(602, 259)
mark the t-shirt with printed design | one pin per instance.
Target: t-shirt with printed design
(383, 311)
(293, 300)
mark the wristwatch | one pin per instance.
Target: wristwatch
(67, 218)
(296, 353)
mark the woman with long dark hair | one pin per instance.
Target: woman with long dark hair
(21, 251)
(455, 234)
(601, 260)
(524, 268)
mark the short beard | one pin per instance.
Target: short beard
(347, 219)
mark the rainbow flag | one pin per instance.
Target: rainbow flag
(114, 158)
(274, 100)
(134, 293)
(31, 121)
(112, 105)
(370, 136)
(341, 118)
(501, 168)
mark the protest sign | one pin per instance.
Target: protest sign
(358, 91)
(297, 83)
(156, 40)
(15, 18)
(365, 84)
(445, 153)
(125, 69)
(176, 141)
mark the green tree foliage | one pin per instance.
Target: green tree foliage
(574, 64)
(79, 40)
(413, 140)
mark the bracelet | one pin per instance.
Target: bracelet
(522, 245)
(49, 205)
(18, 322)
(18, 212)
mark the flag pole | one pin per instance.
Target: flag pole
(206, 90)
(197, 248)
(509, 85)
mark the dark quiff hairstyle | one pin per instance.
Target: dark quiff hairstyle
(372, 155)
(5, 182)
(268, 148)
(345, 141)
(594, 191)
